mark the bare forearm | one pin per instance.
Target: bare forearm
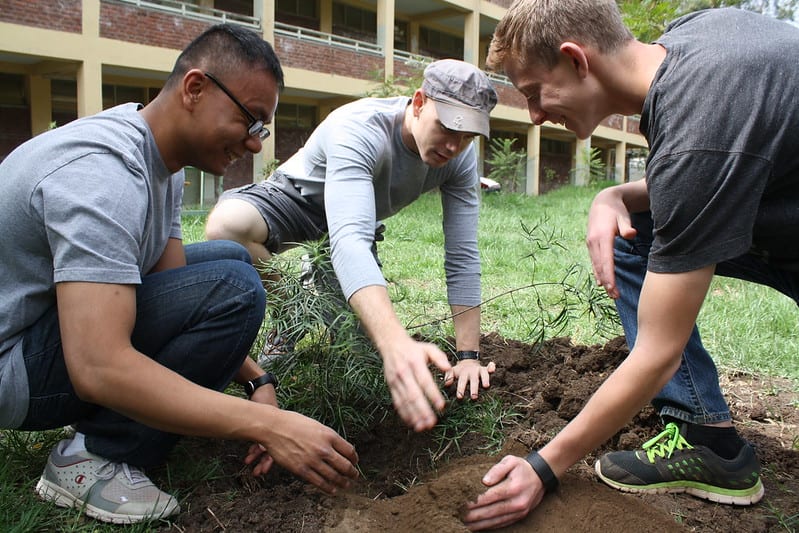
(374, 309)
(667, 311)
(466, 321)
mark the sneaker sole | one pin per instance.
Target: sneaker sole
(742, 497)
(51, 492)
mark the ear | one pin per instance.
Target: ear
(192, 87)
(576, 55)
(417, 102)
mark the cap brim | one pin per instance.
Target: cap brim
(462, 118)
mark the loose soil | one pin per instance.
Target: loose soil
(401, 491)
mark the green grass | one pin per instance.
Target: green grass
(528, 245)
(744, 326)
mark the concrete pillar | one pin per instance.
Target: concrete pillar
(264, 10)
(471, 37)
(326, 16)
(621, 162)
(413, 37)
(90, 88)
(582, 151)
(385, 34)
(533, 178)
(41, 101)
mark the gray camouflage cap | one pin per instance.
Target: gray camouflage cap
(463, 95)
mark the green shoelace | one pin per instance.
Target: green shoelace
(664, 444)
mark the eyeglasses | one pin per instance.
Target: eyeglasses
(256, 126)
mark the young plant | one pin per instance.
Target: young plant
(333, 373)
(506, 162)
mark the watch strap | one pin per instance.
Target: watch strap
(543, 471)
(251, 386)
(460, 355)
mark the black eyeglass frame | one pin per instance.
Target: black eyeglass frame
(256, 127)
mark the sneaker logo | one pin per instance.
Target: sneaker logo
(80, 479)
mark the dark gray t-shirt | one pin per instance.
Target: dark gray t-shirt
(722, 122)
(90, 201)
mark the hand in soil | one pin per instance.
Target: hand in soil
(514, 490)
(309, 450)
(470, 375)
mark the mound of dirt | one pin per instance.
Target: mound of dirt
(401, 491)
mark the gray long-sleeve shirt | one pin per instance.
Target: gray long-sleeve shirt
(357, 168)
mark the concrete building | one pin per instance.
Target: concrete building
(71, 58)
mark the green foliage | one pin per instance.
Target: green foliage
(507, 163)
(334, 374)
(269, 167)
(647, 19)
(487, 417)
(590, 163)
(386, 86)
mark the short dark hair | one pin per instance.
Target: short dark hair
(227, 48)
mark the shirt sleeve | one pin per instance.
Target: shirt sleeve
(350, 211)
(94, 220)
(461, 206)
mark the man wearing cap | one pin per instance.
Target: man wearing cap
(363, 163)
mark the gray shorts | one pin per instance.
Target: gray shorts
(289, 216)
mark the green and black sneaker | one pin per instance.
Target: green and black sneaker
(668, 463)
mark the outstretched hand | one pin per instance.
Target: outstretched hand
(413, 390)
(514, 490)
(471, 374)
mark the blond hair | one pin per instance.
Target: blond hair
(533, 30)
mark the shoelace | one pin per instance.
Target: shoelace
(109, 469)
(664, 444)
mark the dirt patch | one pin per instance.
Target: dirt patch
(401, 491)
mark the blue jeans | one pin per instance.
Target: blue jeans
(693, 394)
(199, 321)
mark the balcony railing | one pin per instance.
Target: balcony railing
(305, 34)
(207, 14)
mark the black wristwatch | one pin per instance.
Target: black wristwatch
(460, 355)
(543, 470)
(253, 384)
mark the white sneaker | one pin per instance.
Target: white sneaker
(107, 491)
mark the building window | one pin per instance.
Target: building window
(401, 41)
(294, 124)
(201, 189)
(553, 147)
(114, 95)
(240, 7)
(354, 22)
(439, 44)
(303, 13)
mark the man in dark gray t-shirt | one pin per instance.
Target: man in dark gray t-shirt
(366, 161)
(109, 324)
(718, 95)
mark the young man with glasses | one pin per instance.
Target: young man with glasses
(363, 163)
(109, 324)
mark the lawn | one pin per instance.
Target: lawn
(532, 248)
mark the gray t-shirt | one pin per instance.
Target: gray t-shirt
(356, 167)
(722, 122)
(91, 201)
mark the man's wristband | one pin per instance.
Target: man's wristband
(460, 355)
(252, 385)
(541, 468)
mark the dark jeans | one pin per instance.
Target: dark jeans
(199, 321)
(693, 394)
